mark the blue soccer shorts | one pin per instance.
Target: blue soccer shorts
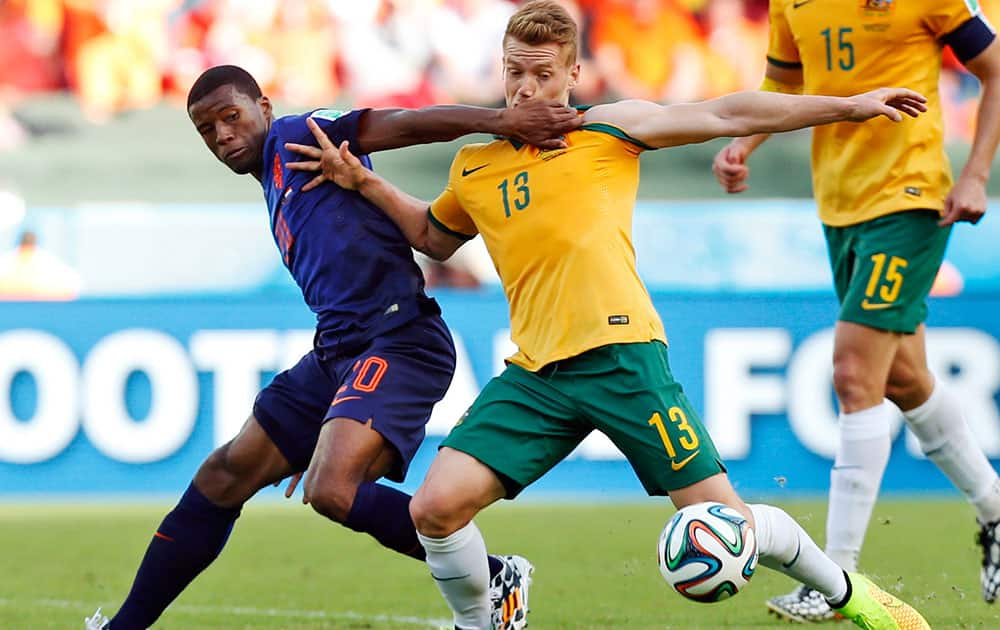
(395, 380)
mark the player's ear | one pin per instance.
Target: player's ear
(264, 104)
(574, 76)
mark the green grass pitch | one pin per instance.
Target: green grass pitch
(286, 567)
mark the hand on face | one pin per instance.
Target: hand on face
(541, 122)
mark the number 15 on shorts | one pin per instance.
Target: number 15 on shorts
(687, 438)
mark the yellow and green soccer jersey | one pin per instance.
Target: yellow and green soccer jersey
(866, 170)
(558, 226)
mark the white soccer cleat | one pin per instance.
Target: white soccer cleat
(989, 577)
(509, 593)
(803, 605)
(97, 622)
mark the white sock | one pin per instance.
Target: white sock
(784, 546)
(461, 570)
(946, 439)
(862, 455)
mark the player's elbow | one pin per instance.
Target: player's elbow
(423, 244)
(437, 253)
(989, 73)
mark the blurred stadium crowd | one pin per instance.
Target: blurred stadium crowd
(118, 55)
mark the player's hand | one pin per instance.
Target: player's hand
(315, 153)
(336, 164)
(965, 202)
(341, 167)
(730, 167)
(888, 102)
(293, 482)
(540, 122)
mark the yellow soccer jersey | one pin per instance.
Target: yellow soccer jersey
(558, 226)
(866, 170)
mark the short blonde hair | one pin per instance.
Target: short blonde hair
(544, 22)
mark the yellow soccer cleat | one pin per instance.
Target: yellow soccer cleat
(872, 608)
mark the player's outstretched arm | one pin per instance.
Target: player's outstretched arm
(748, 113)
(538, 122)
(341, 167)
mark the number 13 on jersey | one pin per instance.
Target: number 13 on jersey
(521, 193)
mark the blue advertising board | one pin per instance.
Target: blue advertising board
(127, 397)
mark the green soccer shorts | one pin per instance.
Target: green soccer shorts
(883, 269)
(524, 423)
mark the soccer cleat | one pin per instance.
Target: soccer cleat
(872, 608)
(509, 594)
(989, 576)
(803, 605)
(97, 622)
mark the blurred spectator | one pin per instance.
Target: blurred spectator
(737, 48)
(466, 37)
(304, 47)
(649, 49)
(31, 273)
(442, 275)
(469, 268)
(117, 53)
(29, 48)
(29, 59)
(386, 51)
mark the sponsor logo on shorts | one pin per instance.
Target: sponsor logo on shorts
(676, 466)
(338, 400)
(618, 320)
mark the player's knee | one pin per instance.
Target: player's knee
(217, 479)
(851, 383)
(434, 513)
(332, 500)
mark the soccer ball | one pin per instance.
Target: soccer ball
(707, 552)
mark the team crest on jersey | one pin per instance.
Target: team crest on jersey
(277, 174)
(877, 6)
(327, 114)
(549, 154)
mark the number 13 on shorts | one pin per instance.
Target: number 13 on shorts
(687, 438)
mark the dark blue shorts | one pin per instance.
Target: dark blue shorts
(394, 381)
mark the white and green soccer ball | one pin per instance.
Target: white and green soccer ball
(707, 552)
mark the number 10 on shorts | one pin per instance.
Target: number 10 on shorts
(688, 439)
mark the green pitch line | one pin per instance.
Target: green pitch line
(286, 567)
